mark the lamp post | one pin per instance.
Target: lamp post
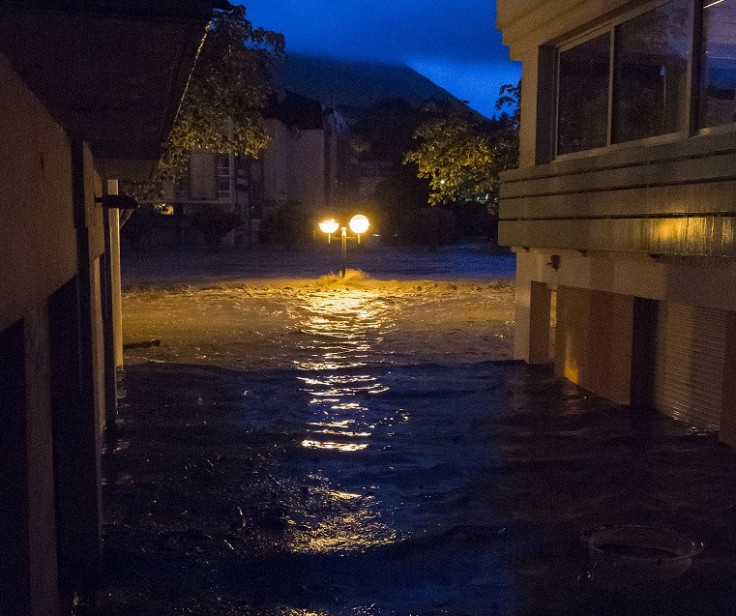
(358, 224)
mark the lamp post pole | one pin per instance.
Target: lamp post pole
(358, 225)
(344, 234)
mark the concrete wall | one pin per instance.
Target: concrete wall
(35, 178)
(593, 342)
(34, 181)
(294, 166)
(51, 236)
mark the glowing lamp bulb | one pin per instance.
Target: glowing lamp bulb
(359, 224)
(329, 226)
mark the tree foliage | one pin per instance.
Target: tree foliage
(462, 154)
(383, 131)
(222, 109)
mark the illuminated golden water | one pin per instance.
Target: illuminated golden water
(326, 338)
(343, 331)
(339, 521)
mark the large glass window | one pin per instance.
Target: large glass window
(583, 96)
(718, 64)
(650, 91)
(638, 80)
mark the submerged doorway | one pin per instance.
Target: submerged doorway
(14, 546)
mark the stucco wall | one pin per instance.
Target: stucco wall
(48, 215)
(294, 166)
(307, 168)
(276, 163)
(35, 201)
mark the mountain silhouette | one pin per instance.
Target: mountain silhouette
(355, 84)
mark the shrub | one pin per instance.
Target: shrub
(213, 224)
(290, 225)
(429, 226)
(142, 220)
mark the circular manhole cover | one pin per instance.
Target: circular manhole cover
(631, 554)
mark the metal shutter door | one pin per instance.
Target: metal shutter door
(688, 379)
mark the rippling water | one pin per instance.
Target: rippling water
(327, 322)
(319, 447)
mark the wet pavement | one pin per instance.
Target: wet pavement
(337, 473)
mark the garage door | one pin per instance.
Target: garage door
(690, 350)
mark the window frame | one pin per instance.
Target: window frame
(720, 129)
(223, 174)
(580, 40)
(692, 96)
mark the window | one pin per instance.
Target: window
(650, 91)
(223, 176)
(583, 98)
(718, 64)
(637, 79)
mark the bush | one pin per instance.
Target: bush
(142, 220)
(429, 226)
(213, 224)
(291, 225)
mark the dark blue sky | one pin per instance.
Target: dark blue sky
(453, 42)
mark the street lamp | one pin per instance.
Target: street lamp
(329, 226)
(358, 224)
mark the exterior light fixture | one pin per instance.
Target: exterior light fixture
(329, 226)
(121, 202)
(358, 224)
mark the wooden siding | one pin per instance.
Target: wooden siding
(675, 198)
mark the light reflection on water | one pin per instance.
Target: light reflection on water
(341, 332)
(337, 521)
(342, 328)
(320, 325)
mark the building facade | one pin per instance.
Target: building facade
(88, 92)
(306, 163)
(622, 213)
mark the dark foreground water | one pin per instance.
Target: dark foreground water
(462, 490)
(327, 448)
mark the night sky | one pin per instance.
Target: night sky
(452, 42)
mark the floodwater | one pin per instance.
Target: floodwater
(302, 445)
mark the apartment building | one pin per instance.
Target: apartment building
(622, 213)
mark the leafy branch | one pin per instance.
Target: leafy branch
(222, 110)
(462, 155)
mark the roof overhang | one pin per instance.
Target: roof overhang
(111, 72)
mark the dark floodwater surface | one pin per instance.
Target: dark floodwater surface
(331, 472)
(434, 490)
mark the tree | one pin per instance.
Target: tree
(381, 134)
(222, 109)
(383, 131)
(462, 154)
